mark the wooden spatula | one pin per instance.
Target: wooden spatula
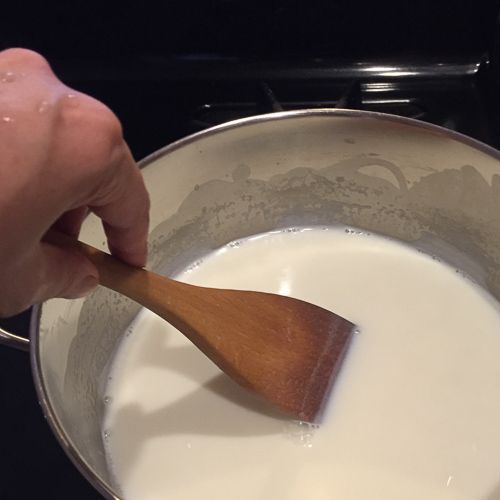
(284, 349)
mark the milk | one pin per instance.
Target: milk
(414, 413)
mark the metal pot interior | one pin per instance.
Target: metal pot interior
(393, 176)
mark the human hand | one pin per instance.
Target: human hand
(62, 154)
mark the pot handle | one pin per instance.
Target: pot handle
(15, 341)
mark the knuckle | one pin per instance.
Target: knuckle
(23, 56)
(111, 128)
(96, 131)
(91, 118)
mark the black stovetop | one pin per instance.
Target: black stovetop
(160, 100)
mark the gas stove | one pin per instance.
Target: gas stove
(161, 97)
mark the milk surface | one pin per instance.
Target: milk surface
(414, 414)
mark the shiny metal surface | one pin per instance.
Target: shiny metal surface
(395, 176)
(10, 340)
(306, 68)
(438, 68)
(76, 457)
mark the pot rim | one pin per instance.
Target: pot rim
(47, 409)
(337, 112)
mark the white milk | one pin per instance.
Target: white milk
(415, 413)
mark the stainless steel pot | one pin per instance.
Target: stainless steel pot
(394, 176)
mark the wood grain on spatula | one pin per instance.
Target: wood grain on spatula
(284, 349)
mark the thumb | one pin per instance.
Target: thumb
(64, 272)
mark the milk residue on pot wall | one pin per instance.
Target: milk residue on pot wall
(457, 207)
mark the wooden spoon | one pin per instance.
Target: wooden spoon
(284, 349)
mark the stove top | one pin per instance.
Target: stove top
(160, 99)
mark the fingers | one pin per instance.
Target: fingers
(71, 221)
(105, 178)
(64, 273)
(123, 206)
(49, 271)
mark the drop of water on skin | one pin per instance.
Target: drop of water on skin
(7, 119)
(72, 100)
(43, 107)
(107, 400)
(106, 435)
(7, 77)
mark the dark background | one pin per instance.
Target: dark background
(111, 52)
(273, 29)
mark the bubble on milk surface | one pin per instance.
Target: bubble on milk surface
(195, 265)
(356, 232)
(300, 433)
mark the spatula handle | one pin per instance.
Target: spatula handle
(113, 273)
(170, 299)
